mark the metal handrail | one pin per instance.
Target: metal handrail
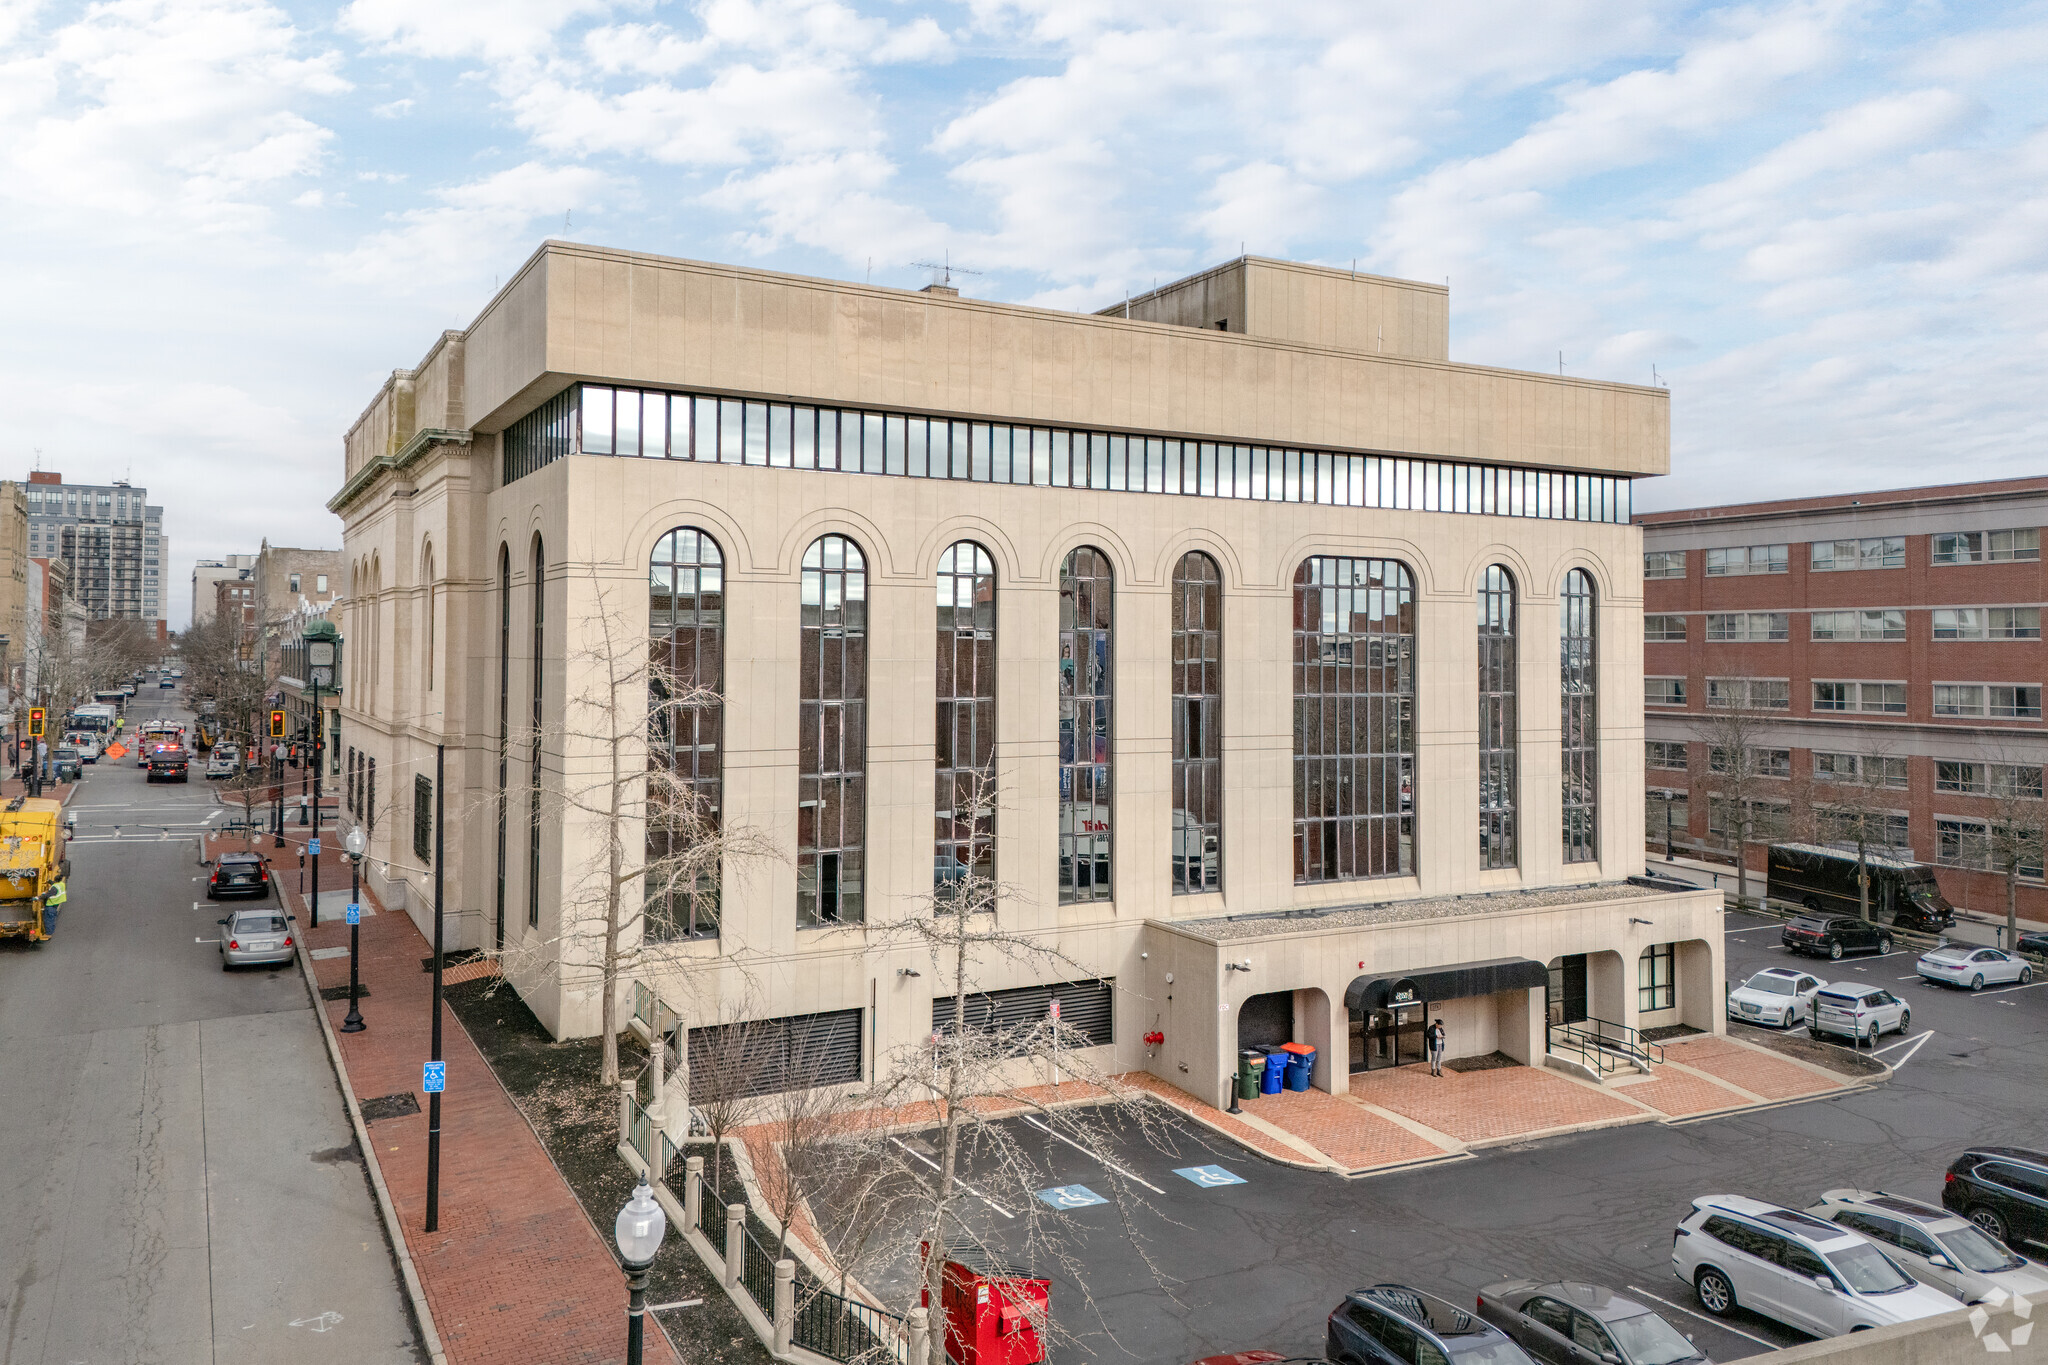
(1577, 1041)
(1603, 1039)
(757, 1272)
(844, 1329)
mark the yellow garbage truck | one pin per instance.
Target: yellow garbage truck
(32, 866)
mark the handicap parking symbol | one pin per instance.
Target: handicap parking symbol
(1071, 1197)
(1209, 1176)
(434, 1077)
(355, 914)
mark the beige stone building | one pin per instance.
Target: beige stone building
(1307, 661)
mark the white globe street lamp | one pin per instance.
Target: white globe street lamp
(638, 1232)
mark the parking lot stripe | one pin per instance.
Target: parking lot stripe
(1097, 1156)
(963, 1184)
(1703, 1317)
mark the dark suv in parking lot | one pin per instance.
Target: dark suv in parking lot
(1391, 1324)
(2003, 1190)
(1834, 936)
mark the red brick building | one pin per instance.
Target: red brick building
(1886, 642)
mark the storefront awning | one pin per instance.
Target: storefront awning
(1456, 982)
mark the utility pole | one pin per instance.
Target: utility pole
(434, 1097)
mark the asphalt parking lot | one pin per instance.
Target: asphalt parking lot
(1257, 1255)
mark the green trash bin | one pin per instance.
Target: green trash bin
(1250, 1065)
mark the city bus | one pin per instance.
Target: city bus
(97, 718)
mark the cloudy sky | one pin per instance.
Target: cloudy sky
(1823, 224)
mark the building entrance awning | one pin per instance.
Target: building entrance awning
(1455, 982)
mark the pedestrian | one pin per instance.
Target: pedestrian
(53, 902)
(1433, 1038)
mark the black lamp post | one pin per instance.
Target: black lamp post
(638, 1232)
(277, 785)
(353, 847)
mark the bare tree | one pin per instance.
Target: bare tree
(1853, 805)
(721, 1062)
(1734, 735)
(660, 845)
(2019, 830)
(804, 1118)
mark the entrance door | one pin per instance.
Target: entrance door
(1384, 1038)
(1567, 994)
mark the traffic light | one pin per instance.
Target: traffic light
(277, 725)
(35, 721)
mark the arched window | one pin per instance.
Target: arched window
(832, 734)
(1580, 721)
(1498, 778)
(1087, 690)
(504, 718)
(1354, 719)
(964, 799)
(538, 583)
(427, 576)
(1197, 724)
(686, 707)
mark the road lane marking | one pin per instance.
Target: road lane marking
(935, 1166)
(1913, 1050)
(1094, 1156)
(1704, 1318)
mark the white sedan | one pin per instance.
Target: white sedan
(1782, 996)
(1960, 964)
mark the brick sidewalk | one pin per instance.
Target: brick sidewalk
(1477, 1106)
(1752, 1068)
(516, 1272)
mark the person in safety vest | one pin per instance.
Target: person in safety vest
(53, 902)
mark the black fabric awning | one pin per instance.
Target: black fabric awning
(1456, 982)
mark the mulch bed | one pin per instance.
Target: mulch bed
(1796, 1043)
(1667, 1032)
(556, 1087)
(1492, 1061)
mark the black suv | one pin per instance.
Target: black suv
(1391, 1324)
(1834, 936)
(2003, 1190)
(238, 874)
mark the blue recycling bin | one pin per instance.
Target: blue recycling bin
(1301, 1067)
(1276, 1065)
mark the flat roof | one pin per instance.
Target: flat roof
(1229, 928)
(1841, 502)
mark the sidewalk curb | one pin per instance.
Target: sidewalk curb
(394, 1231)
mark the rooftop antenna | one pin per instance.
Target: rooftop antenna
(1560, 362)
(946, 269)
(565, 222)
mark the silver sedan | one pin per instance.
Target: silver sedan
(250, 938)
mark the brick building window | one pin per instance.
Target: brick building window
(1879, 552)
(1987, 623)
(1750, 694)
(832, 671)
(1664, 753)
(1986, 547)
(1883, 698)
(1753, 626)
(1748, 559)
(1880, 624)
(1663, 691)
(1663, 629)
(1873, 770)
(1664, 564)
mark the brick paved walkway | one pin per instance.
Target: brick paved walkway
(516, 1272)
(1752, 1068)
(1677, 1093)
(1474, 1106)
(1353, 1136)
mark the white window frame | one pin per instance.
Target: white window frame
(1749, 689)
(1735, 561)
(2017, 544)
(1670, 564)
(1749, 627)
(1870, 552)
(1659, 633)
(1857, 702)
(1649, 701)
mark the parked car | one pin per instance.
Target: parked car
(1935, 1246)
(87, 743)
(220, 764)
(66, 765)
(1959, 964)
(1792, 1267)
(1582, 1324)
(1259, 1357)
(2003, 1190)
(239, 874)
(2033, 943)
(253, 938)
(166, 682)
(1775, 995)
(1391, 1324)
(1860, 1012)
(1835, 935)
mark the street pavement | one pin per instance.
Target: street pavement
(178, 1180)
(1262, 1263)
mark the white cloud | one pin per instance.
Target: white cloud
(396, 109)
(491, 29)
(490, 222)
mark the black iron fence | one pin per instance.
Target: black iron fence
(840, 1328)
(757, 1272)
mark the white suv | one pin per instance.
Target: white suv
(1857, 1011)
(1790, 1266)
(1775, 995)
(1935, 1246)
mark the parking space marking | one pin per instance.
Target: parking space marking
(927, 1161)
(1094, 1156)
(1209, 1177)
(1913, 1049)
(1704, 1318)
(1071, 1197)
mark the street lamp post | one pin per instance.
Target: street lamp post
(353, 847)
(638, 1232)
(277, 787)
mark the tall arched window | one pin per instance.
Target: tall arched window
(1580, 721)
(427, 576)
(686, 704)
(540, 596)
(504, 717)
(1197, 724)
(964, 799)
(1354, 719)
(1087, 690)
(1498, 742)
(832, 734)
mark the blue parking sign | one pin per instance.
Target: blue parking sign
(316, 848)
(1209, 1176)
(434, 1077)
(1071, 1197)
(355, 914)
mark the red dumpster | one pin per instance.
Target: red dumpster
(995, 1313)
